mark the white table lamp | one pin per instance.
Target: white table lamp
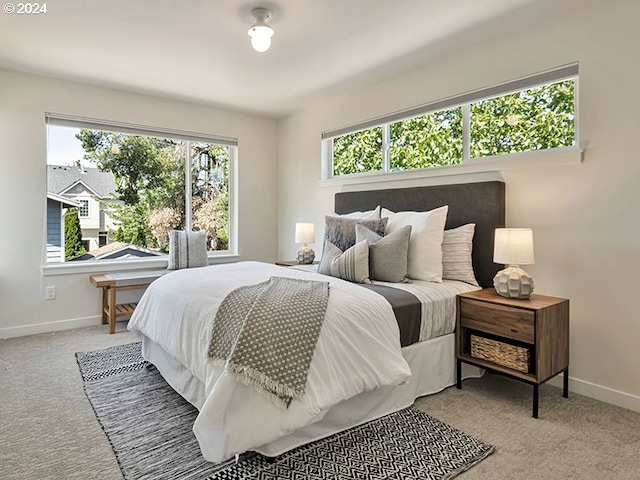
(305, 234)
(513, 247)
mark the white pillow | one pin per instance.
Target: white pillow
(368, 215)
(425, 244)
(457, 246)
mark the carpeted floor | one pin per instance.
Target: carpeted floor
(48, 429)
(149, 427)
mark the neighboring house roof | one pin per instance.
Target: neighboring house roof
(117, 250)
(64, 200)
(60, 178)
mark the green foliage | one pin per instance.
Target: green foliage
(222, 232)
(209, 181)
(73, 245)
(358, 152)
(430, 140)
(150, 179)
(136, 162)
(133, 227)
(534, 119)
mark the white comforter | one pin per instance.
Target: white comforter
(358, 350)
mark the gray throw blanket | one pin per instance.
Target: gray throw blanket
(265, 335)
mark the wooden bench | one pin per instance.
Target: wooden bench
(112, 283)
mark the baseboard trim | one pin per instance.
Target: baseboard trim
(581, 387)
(598, 392)
(48, 327)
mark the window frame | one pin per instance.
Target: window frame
(81, 202)
(214, 256)
(550, 156)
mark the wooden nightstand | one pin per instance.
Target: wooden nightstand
(535, 332)
(292, 263)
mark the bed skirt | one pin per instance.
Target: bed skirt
(432, 365)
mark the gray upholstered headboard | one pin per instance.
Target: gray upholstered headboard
(480, 203)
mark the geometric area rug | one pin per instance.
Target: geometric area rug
(149, 427)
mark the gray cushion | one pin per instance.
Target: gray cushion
(187, 249)
(351, 265)
(457, 246)
(387, 255)
(341, 231)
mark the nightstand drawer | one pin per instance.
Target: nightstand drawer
(506, 321)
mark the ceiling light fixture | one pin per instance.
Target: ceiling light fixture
(260, 32)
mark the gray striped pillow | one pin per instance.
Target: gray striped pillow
(187, 249)
(351, 265)
(457, 245)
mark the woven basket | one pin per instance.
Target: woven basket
(505, 354)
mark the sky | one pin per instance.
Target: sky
(63, 148)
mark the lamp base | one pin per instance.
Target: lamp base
(306, 255)
(513, 282)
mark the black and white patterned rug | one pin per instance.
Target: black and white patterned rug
(149, 427)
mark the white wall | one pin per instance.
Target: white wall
(586, 217)
(24, 99)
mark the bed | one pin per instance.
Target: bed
(358, 372)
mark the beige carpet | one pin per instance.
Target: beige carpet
(48, 429)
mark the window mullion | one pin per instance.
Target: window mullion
(386, 143)
(466, 132)
(188, 211)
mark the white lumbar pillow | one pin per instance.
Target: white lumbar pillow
(425, 243)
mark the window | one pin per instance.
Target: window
(532, 119)
(426, 141)
(530, 114)
(83, 209)
(146, 183)
(358, 152)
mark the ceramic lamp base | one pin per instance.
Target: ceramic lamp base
(513, 282)
(306, 255)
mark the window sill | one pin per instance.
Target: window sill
(123, 265)
(548, 158)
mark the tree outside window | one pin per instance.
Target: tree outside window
(532, 119)
(149, 196)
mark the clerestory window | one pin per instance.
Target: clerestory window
(537, 113)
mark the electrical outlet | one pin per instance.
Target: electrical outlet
(50, 293)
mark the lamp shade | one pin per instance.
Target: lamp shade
(513, 246)
(305, 233)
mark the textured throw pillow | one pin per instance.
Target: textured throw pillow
(457, 245)
(388, 255)
(341, 231)
(187, 249)
(425, 244)
(351, 265)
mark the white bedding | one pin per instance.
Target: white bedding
(358, 351)
(438, 302)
